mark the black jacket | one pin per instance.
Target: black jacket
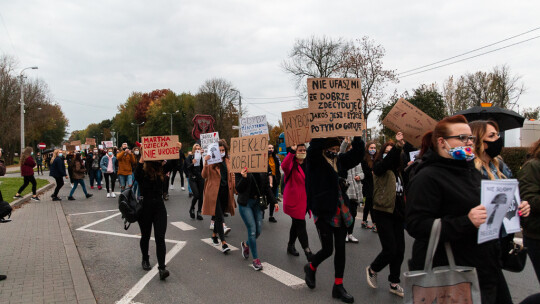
(247, 189)
(448, 189)
(57, 168)
(322, 181)
(192, 170)
(277, 177)
(151, 190)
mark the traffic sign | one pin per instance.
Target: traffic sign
(42, 146)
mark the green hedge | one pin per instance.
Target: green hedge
(514, 158)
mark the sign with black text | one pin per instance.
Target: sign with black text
(160, 147)
(249, 152)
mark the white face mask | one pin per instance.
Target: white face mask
(222, 154)
(95, 151)
(136, 152)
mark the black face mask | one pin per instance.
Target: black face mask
(330, 154)
(494, 147)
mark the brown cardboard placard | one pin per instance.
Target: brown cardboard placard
(75, 143)
(405, 117)
(250, 152)
(160, 147)
(335, 106)
(90, 141)
(296, 126)
(70, 148)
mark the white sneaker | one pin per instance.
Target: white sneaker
(183, 189)
(352, 239)
(397, 290)
(171, 187)
(226, 229)
(108, 195)
(112, 194)
(212, 225)
(347, 238)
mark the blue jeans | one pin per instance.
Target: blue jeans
(125, 179)
(252, 216)
(135, 187)
(75, 183)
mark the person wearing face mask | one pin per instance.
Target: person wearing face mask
(194, 166)
(273, 165)
(137, 155)
(94, 172)
(367, 184)
(109, 166)
(388, 212)
(58, 171)
(219, 188)
(328, 201)
(295, 199)
(126, 160)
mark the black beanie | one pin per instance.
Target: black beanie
(331, 142)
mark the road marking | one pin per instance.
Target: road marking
(134, 236)
(183, 226)
(94, 212)
(135, 290)
(209, 242)
(99, 221)
(282, 276)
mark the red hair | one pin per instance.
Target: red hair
(442, 129)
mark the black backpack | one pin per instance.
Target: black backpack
(130, 207)
(5, 210)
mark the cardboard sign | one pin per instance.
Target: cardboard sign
(107, 144)
(250, 152)
(215, 155)
(209, 138)
(160, 147)
(90, 141)
(255, 125)
(296, 124)
(406, 118)
(75, 143)
(335, 107)
(70, 148)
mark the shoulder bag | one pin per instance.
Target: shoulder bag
(263, 201)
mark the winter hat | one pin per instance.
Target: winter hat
(331, 142)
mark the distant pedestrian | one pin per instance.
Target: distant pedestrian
(180, 169)
(27, 172)
(194, 165)
(367, 185)
(109, 165)
(78, 176)
(2, 173)
(39, 162)
(126, 160)
(94, 171)
(354, 192)
(274, 165)
(58, 171)
(137, 154)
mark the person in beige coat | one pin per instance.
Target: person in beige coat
(219, 190)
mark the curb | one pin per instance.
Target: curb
(17, 203)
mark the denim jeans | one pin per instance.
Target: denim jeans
(252, 216)
(135, 187)
(95, 175)
(125, 180)
(75, 183)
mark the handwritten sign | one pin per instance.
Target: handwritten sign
(160, 147)
(209, 138)
(250, 152)
(107, 144)
(335, 106)
(296, 124)
(253, 125)
(90, 141)
(70, 148)
(406, 118)
(75, 143)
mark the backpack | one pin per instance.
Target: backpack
(5, 210)
(130, 207)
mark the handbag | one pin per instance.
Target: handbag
(515, 259)
(263, 201)
(445, 284)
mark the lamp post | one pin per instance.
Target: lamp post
(138, 125)
(165, 113)
(21, 76)
(239, 103)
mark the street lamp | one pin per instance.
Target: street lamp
(21, 76)
(165, 113)
(239, 103)
(138, 125)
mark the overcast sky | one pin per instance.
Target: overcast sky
(93, 54)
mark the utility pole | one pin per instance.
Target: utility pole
(171, 114)
(21, 76)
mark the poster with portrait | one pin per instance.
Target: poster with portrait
(511, 219)
(215, 155)
(496, 196)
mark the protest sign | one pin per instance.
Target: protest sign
(75, 143)
(77, 148)
(70, 148)
(511, 219)
(100, 147)
(160, 147)
(85, 147)
(64, 147)
(413, 155)
(496, 196)
(296, 126)
(197, 157)
(406, 118)
(335, 107)
(90, 141)
(215, 155)
(209, 138)
(250, 152)
(253, 125)
(107, 144)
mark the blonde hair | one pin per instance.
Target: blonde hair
(54, 155)
(479, 129)
(193, 149)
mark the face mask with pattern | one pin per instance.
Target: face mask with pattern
(460, 152)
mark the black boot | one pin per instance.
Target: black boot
(192, 212)
(291, 250)
(310, 276)
(163, 274)
(146, 265)
(199, 217)
(309, 254)
(339, 292)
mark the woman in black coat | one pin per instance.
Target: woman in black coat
(195, 180)
(328, 201)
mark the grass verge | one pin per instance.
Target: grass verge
(10, 185)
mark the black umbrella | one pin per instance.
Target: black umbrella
(506, 119)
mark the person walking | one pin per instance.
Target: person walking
(273, 165)
(39, 163)
(180, 169)
(251, 187)
(135, 188)
(27, 172)
(219, 188)
(354, 191)
(2, 173)
(194, 166)
(57, 169)
(329, 203)
(126, 160)
(388, 211)
(78, 176)
(295, 199)
(94, 170)
(151, 180)
(109, 165)
(367, 185)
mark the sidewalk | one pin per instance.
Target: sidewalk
(39, 257)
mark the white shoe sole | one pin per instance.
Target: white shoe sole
(371, 284)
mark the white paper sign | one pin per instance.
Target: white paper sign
(255, 125)
(511, 219)
(215, 155)
(100, 147)
(197, 157)
(64, 147)
(496, 196)
(77, 148)
(209, 138)
(413, 154)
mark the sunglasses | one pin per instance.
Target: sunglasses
(463, 137)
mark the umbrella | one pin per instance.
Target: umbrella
(506, 119)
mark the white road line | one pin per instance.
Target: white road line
(134, 236)
(282, 276)
(209, 242)
(183, 226)
(99, 221)
(135, 290)
(94, 212)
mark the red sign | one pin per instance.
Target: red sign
(42, 146)
(202, 124)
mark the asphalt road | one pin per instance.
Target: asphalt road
(202, 274)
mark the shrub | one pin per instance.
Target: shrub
(514, 158)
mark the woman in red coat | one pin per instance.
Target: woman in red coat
(27, 172)
(295, 199)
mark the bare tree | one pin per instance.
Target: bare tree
(505, 88)
(455, 95)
